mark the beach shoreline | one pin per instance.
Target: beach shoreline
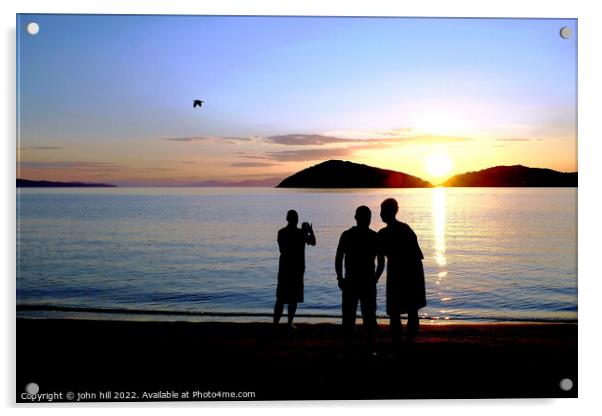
(45, 311)
(453, 360)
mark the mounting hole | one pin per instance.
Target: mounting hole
(566, 384)
(565, 32)
(32, 388)
(33, 28)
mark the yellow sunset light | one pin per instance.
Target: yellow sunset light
(438, 165)
(443, 123)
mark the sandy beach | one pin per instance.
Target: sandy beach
(200, 361)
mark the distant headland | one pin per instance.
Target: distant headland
(26, 183)
(247, 183)
(343, 174)
(513, 176)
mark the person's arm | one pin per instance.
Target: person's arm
(279, 239)
(380, 266)
(338, 262)
(380, 257)
(417, 250)
(310, 237)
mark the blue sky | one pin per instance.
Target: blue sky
(110, 90)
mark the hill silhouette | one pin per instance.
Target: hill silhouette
(513, 176)
(343, 174)
(26, 183)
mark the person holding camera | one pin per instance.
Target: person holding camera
(291, 242)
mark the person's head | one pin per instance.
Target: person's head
(363, 216)
(292, 218)
(388, 210)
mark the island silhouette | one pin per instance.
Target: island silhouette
(344, 174)
(513, 176)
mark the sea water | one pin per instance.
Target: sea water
(491, 254)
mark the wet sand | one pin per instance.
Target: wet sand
(130, 359)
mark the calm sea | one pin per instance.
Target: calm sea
(490, 253)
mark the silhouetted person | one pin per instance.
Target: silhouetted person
(405, 274)
(291, 242)
(358, 247)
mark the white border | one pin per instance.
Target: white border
(589, 205)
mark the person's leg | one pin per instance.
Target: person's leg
(292, 309)
(396, 331)
(368, 305)
(413, 324)
(278, 308)
(350, 301)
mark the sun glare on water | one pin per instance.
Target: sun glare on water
(438, 165)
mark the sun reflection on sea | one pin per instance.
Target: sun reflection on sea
(439, 217)
(439, 228)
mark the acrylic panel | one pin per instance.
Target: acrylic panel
(295, 208)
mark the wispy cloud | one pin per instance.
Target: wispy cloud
(70, 165)
(252, 165)
(144, 170)
(517, 140)
(193, 139)
(308, 154)
(322, 144)
(250, 156)
(235, 140)
(187, 139)
(432, 139)
(41, 148)
(391, 137)
(350, 139)
(306, 139)
(372, 134)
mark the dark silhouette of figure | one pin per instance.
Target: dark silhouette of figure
(405, 274)
(358, 247)
(197, 103)
(291, 242)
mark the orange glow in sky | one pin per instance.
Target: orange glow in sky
(428, 97)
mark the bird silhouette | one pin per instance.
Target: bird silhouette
(197, 103)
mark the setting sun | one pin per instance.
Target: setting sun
(438, 165)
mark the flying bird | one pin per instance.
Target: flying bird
(197, 103)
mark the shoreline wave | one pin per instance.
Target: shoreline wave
(243, 314)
